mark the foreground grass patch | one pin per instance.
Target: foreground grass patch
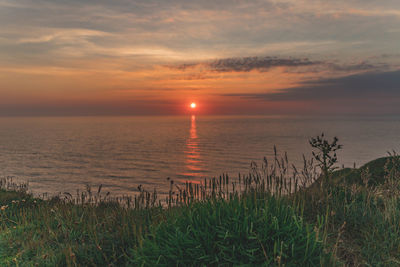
(256, 221)
(255, 230)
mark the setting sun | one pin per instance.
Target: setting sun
(193, 105)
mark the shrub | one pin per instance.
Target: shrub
(326, 154)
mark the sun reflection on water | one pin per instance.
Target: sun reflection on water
(193, 162)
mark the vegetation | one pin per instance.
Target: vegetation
(255, 230)
(325, 155)
(271, 217)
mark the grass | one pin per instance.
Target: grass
(269, 217)
(255, 230)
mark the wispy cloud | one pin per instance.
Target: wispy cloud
(63, 35)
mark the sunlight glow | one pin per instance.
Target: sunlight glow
(193, 105)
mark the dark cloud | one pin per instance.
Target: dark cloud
(246, 64)
(335, 67)
(383, 85)
(265, 63)
(362, 66)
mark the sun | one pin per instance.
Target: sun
(193, 105)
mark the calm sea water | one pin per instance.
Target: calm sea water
(65, 154)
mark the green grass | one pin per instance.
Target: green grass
(255, 230)
(252, 230)
(265, 218)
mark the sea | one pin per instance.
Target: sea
(65, 154)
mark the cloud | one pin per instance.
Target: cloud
(64, 36)
(339, 68)
(246, 64)
(231, 27)
(370, 85)
(362, 66)
(292, 65)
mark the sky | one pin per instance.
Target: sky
(129, 57)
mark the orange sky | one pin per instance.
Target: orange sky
(263, 57)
